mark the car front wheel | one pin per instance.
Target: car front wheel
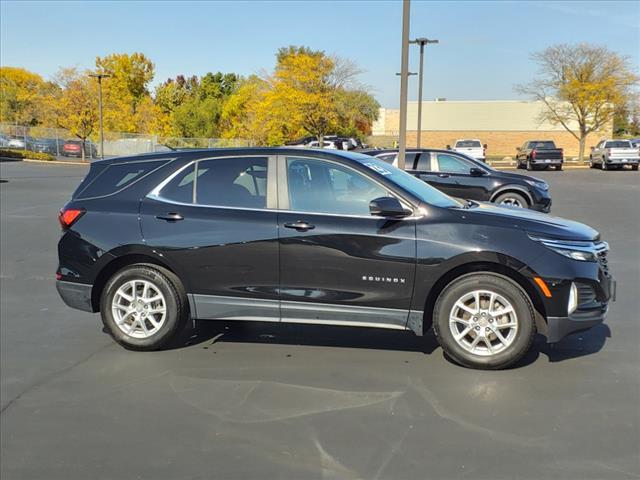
(484, 320)
(142, 307)
(512, 199)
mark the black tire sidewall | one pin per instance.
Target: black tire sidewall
(174, 310)
(501, 285)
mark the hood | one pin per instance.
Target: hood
(519, 176)
(541, 224)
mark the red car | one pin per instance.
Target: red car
(73, 148)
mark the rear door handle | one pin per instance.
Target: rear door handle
(300, 226)
(170, 217)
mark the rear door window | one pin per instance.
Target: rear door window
(117, 177)
(453, 164)
(424, 162)
(180, 188)
(232, 182)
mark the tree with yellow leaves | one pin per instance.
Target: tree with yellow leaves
(22, 96)
(74, 108)
(582, 83)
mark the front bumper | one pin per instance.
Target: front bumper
(578, 321)
(76, 295)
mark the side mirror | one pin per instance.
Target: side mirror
(518, 149)
(448, 147)
(485, 146)
(477, 172)
(592, 148)
(387, 207)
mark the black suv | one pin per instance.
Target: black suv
(322, 237)
(461, 176)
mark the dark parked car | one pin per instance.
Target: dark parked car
(539, 154)
(321, 237)
(461, 176)
(46, 145)
(73, 148)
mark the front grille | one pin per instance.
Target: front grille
(602, 249)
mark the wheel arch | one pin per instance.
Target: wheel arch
(512, 189)
(489, 267)
(122, 261)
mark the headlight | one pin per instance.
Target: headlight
(573, 299)
(541, 185)
(581, 251)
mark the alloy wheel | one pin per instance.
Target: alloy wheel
(139, 308)
(483, 322)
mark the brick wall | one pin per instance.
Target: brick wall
(499, 143)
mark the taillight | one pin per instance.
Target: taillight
(68, 217)
(533, 154)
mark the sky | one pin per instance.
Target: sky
(484, 47)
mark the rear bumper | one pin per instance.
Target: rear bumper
(622, 161)
(75, 295)
(547, 161)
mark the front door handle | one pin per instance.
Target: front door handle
(300, 226)
(170, 217)
(443, 175)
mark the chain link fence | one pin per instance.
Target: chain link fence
(61, 143)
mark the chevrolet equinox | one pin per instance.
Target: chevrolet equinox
(319, 237)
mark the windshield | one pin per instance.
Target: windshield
(408, 182)
(468, 144)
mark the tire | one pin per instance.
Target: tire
(634, 167)
(529, 165)
(512, 199)
(558, 168)
(591, 165)
(517, 340)
(143, 327)
(604, 165)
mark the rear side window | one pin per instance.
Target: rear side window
(180, 188)
(232, 182)
(424, 162)
(115, 178)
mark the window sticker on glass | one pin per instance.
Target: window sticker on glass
(381, 170)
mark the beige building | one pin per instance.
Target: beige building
(503, 125)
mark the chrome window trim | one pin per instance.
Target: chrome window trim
(154, 194)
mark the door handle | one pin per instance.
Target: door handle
(443, 175)
(170, 217)
(300, 226)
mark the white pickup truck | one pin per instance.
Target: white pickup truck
(614, 153)
(471, 147)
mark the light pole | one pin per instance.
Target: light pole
(422, 42)
(100, 76)
(404, 82)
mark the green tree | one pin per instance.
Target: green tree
(582, 84)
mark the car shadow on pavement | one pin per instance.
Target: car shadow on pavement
(208, 333)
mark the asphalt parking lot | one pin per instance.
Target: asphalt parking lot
(291, 401)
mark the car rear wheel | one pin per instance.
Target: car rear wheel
(604, 165)
(512, 199)
(634, 167)
(142, 307)
(484, 320)
(558, 168)
(529, 165)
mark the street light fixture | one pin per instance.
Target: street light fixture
(422, 42)
(100, 76)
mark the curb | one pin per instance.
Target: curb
(57, 162)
